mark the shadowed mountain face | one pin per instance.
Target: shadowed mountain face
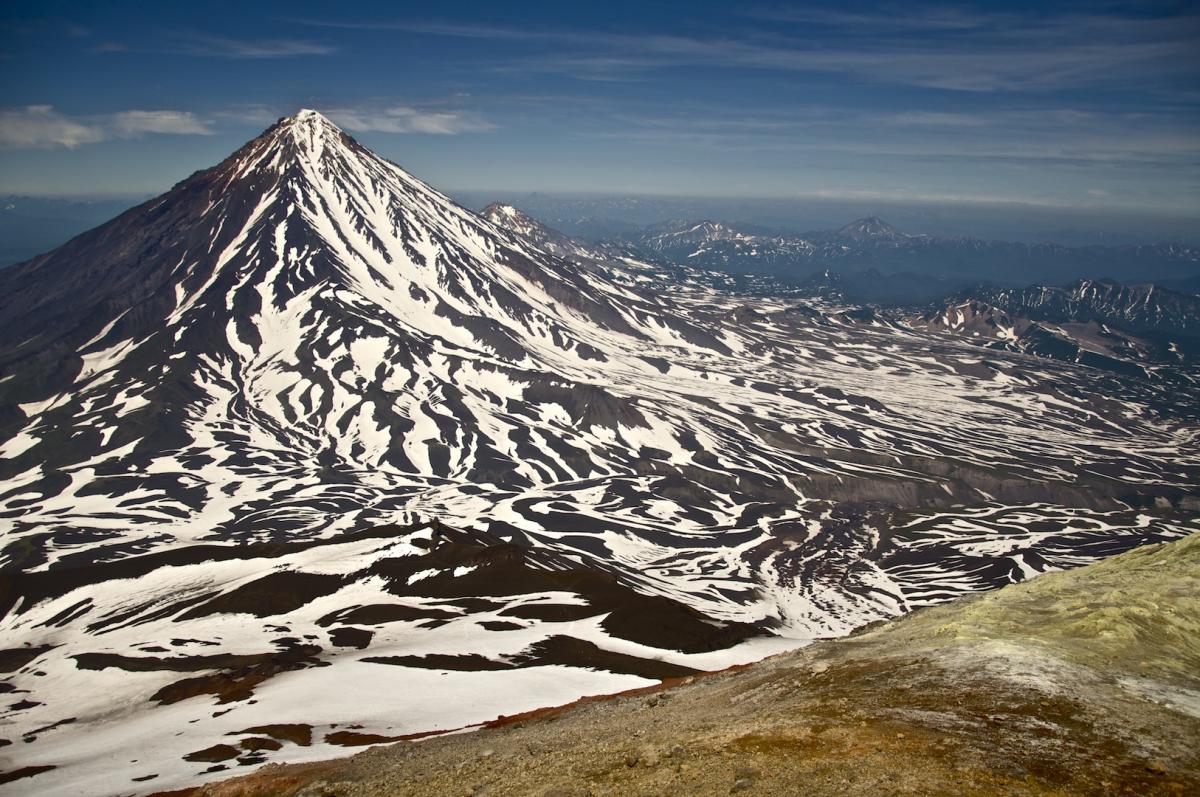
(32, 225)
(1141, 330)
(1138, 308)
(306, 343)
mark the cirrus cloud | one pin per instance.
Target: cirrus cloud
(406, 119)
(180, 123)
(250, 49)
(42, 127)
(941, 49)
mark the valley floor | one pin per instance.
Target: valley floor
(1079, 682)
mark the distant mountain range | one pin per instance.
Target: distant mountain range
(877, 262)
(596, 216)
(1145, 308)
(1143, 330)
(1139, 330)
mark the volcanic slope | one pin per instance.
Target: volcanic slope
(211, 406)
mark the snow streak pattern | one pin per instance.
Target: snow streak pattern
(318, 343)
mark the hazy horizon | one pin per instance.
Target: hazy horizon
(791, 215)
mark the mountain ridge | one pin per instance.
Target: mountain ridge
(1138, 329)
(870, 243)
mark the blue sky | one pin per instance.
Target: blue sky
(1070, 105)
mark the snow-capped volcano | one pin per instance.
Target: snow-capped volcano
(281, 296)
(300, 212)
(870, 228)
(230, 416)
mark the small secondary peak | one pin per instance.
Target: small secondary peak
(497, 209)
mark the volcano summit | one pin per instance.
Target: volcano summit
(302, 454)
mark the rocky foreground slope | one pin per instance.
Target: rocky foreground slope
(1080, 682)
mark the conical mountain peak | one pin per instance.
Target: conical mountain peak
(307, 121)
(301, 231)
(305, 135)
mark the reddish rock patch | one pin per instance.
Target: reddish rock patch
(355, 739)
(295, 733)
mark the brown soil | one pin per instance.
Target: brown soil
(351, 637)
(579, 653)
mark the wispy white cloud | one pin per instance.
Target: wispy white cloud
(1069, 138)
(180, 123)
(439, 118)
(951, 50)
(251, 49)
(905, 18)
(220, 47)
(42, 127)
(936, 119)
(249, 114)
(406, 119)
